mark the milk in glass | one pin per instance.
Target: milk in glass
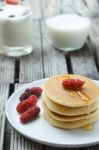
(16, 29)
(68, 32)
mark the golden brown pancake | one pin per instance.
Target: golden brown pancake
(74, 124)
(69, 111)
(65, 118)
(55, 91)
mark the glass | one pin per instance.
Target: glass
(67, 29)
(16, 29)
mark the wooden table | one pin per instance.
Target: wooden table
(43, 62)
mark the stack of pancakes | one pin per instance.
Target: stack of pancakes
(70, 109)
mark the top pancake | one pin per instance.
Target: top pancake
(83, 97)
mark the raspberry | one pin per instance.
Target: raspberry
(26, 104)
(30, 114)
(24, 96)
(36, 91)
(72, 84)
(28, 90)
(31, 91)
(13, 2)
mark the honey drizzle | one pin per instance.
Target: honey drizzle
(72, 93)
(83, 96)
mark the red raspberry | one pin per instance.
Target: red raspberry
(13, 2)
(36, 91)
(72, 84)
(31, 91)
(30, 114)
(26, 104)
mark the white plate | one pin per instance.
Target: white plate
(41, 131)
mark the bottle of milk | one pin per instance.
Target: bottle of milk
(16, 28)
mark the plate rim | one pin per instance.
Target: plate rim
(43, 141)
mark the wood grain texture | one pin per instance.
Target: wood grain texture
(7, 67)
(82, 62)
(18, 142)
(53, 60)
(4, 89)
(31, 67)
(95, 147)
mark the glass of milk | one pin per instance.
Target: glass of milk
(16, 29)
(67, 31)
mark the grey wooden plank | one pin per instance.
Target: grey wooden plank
(95, 147)
(53, 60)
(93, 7)
(4, 89)
(7, 67)
(7, 141)
(82, 62)
(51, 148)
(56, 148)
(19, 142)
(8, 127)
(35, 5)
(31, 66)
(39, 146)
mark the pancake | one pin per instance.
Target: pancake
(74, 124)
(64, 118)
(69, 111)
(55, 91)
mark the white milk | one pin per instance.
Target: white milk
(16, 27)
(68, 32)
